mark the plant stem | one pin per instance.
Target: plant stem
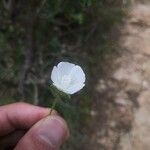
(53, 106)
(57, 98)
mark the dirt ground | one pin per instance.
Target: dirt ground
(120, 115)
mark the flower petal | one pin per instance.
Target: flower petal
(75, 88)
(64, 68)
(54, 74)
(59, 87)
(68, 77)
(77, 74)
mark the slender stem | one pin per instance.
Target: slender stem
(57, 98)
(53, 106)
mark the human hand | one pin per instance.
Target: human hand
(27, 127)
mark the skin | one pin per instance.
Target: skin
(27, 127)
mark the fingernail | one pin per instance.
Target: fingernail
(53, 131)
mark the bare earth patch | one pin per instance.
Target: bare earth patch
(120, 119)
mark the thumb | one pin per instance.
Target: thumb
(48, 134)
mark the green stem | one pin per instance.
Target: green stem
(53, 106)
(57, 98)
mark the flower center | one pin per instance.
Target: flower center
(65, 81)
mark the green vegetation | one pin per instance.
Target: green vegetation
(34, 36)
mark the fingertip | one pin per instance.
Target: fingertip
(56, 123)
(62, 123)
(49, 134)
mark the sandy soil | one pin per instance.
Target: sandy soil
(120, 116)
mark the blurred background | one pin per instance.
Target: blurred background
(110, 39)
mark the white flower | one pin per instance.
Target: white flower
(68, 77)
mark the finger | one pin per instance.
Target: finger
(20, 115)
(47, 134)
(11, 139)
